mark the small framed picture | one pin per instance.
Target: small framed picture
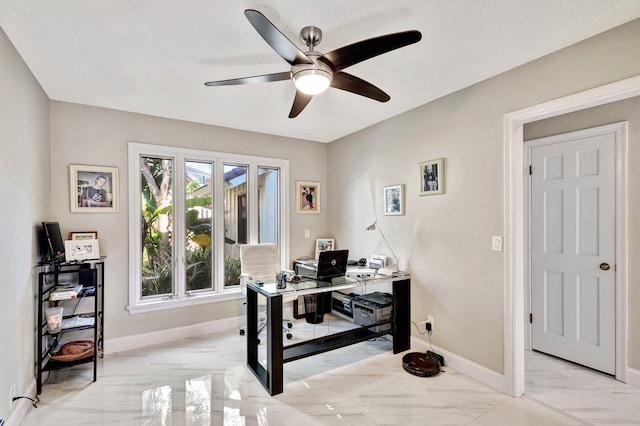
(432, 177)
(81, 250)
(93, 189)
(307, 197)
(324, 244)
(394, 200)
(86, 235)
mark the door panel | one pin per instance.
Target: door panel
(572, 233)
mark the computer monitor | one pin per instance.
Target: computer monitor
(332, 264)
(55, 244)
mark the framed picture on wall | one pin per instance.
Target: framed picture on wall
(432, 177)
(324, 244)
(394, 200)
(307, 197)
(93, 189)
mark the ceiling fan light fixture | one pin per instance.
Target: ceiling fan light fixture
(312, 81)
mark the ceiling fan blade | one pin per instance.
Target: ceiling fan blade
(278, 41)
(366, 49)
(266, 78)
(299, 103)
(353, 84)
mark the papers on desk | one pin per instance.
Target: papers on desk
(361, 272)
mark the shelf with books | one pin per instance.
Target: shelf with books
(74, 292)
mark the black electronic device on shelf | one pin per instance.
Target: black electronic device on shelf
(54, 245)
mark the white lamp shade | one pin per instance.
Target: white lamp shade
(312, 81)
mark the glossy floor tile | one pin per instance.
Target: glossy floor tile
(596, 398)
(204, 381)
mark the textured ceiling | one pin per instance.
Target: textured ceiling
(153, 56)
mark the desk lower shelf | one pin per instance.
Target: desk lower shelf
(328, 343)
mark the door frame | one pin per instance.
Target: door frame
(620, 130)
(514, 222)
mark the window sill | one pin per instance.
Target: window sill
(185, 302)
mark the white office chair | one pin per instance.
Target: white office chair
(258, 262)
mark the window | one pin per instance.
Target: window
(190, 211)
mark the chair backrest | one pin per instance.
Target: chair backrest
(259, 261)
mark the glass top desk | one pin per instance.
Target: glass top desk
(270, 371)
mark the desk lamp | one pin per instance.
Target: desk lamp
(388, 270)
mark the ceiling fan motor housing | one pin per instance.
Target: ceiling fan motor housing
(311, 36)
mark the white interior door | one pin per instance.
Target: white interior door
(573, 248)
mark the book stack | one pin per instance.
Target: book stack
(63, 292)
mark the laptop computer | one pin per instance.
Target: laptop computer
(331, 264)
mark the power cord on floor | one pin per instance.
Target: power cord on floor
(34, 402)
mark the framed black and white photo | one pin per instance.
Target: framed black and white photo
(394, 200)
(432, 177)
(81, 250)
(93, 189)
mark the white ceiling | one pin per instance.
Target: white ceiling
(153, 56)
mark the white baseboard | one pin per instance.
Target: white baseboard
(22, 407)
(633, 377)
(462, 365)
(127, 343)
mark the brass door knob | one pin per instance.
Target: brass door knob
(605, 266)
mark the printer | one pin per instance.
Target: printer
(373, 308)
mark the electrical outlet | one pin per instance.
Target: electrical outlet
(12, 394)
(430, 321)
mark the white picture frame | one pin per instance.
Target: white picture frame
(93, 189)
(394, 200)
(81, 250)
(432, 177)
(324, 244)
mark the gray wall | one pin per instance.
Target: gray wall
(25, 193)
(445, 240)
(95, 136)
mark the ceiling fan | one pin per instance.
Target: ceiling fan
(313, 72)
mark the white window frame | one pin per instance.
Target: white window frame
(179, 155)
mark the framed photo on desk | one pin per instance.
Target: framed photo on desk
(324, 244)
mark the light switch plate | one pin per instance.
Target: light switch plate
(496, 243)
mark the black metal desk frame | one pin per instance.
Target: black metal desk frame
(272, 377)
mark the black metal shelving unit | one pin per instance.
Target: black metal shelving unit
(89, 274)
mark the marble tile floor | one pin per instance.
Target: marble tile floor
(593, 397)
(204, 381)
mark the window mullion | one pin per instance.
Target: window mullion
(252, 191)
(218, 220)
(179, 227)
